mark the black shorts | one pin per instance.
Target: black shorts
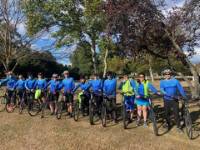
(69, 97)
(10, 96)
(21, 93)
(53, 97)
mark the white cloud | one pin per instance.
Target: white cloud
(21, 28)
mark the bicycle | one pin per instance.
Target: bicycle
(185, 116)
(94, 111)
(12, 103)
(77, 107)
(34, 105)
(60, 105)
(108, 108)
(126, 114)
(152, 117)
(22, 104)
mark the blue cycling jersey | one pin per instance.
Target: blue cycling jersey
(68, 85)
(10, 81)
(20, 85)
(96, 85)
(54, 85)
(40, 84)
(83, 86)
(171, 88)
(109, 87)
(29, 84)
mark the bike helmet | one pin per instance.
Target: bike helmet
(167, 71)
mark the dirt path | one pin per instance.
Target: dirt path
(22, 132)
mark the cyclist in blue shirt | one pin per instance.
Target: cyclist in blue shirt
(142, 97)
(54, 89)
(20, 88)
(68, 85)
(10, 80)
(29, 85)
(40, 87)
(109, 92)
(171, 89)
(85, 96)
(96, 85)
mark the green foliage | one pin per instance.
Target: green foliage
(81, 59)
(39, 62)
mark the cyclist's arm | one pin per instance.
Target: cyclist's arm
(16, 84)
(181, 90)
(152, 88)
(162, 89)
(3, 81)
(26, 86)
(74, 90)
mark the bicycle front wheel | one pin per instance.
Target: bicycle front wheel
(153, 120)
(188, 124)
(76, 111)
(125, 116)
(34, 108)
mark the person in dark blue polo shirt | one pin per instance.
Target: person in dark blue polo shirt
(171, 89)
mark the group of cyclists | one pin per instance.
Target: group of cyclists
(135, 93)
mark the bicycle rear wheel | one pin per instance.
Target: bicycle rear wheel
(60, 106)
(10, 108)
(188, 124)
(34, 108)
(152, 117)
(104, 114)
(22, 105)
(76, 111)
(2, 103)
(91, 112)
(125, 116)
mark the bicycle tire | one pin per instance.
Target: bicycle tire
(91, 112)
(188, 124)
(9, 108)
(2, 103)
(104, 114)
(153, 120)
(60, 109)
(34, 107)
(76, 111)
(124, 116)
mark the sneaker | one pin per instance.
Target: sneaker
(145, 124)
(52, 113)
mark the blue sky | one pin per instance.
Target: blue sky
(62, 55)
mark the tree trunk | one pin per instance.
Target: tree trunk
(93, 50)
(150, 68)
(196, 86)
(105, 63)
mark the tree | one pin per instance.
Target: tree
(81, 59)
(39, 62)
(76, 21)
(142, 28)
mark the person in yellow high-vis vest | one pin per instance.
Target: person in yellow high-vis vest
(142, 95)
(128, 87)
